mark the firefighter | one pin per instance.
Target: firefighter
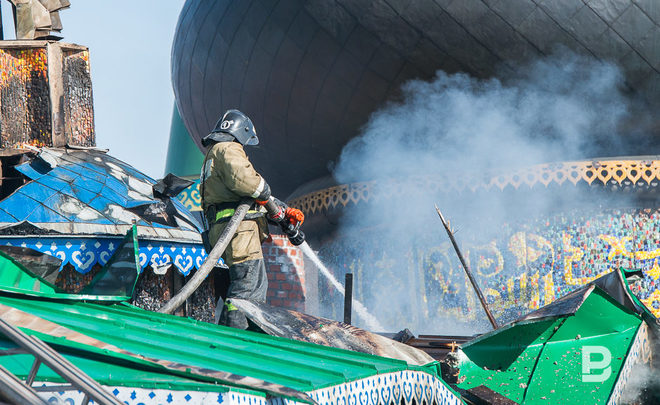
(227, 177)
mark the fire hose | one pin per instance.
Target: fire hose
(211, 259)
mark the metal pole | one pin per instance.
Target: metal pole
(63, 367)
(15, 390)
(210, 262)
(348, 298)
(467, 270)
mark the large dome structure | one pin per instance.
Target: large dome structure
(309, 73)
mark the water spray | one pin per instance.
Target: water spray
(370, 320)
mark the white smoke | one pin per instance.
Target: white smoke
(559, 108)
(643, 380)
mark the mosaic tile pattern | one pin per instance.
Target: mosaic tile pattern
(528, 266)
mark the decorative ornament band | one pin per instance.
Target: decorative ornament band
(84, 253)
(401, 387)
(628, 172)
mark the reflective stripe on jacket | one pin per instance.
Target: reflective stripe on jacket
(228, 212)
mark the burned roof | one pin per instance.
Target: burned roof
(89, 192)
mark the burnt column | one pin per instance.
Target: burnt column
(45, 94)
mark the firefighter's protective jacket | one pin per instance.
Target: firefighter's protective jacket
(227, 177)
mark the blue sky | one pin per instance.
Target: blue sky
(130, 45)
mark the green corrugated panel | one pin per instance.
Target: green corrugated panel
(542, 360)
(298, 365)
(105, 367)
(183, 157)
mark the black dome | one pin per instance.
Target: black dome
(309, 73)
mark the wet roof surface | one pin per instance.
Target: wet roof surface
(91, 192)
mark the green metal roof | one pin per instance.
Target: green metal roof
(297, 365)
(97, 366)
(183, 156)
(541, 359)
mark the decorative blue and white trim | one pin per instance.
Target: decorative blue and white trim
(145, 396)
(383, 389)
(161, 255)
(401, 387)
(83, 253)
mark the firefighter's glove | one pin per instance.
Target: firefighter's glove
(294, 216)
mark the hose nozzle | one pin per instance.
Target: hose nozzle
(295, 235)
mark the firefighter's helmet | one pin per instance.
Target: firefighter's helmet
(238, 125)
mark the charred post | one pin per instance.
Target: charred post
(45, 95)
(348, 298)
(467, 269)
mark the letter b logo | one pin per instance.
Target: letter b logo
(588, 364)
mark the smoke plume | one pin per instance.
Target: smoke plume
(556, 109)
(559, 108)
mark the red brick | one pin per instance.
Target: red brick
(280, 276)
(270, 293)
(286, 286)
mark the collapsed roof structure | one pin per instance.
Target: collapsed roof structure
(145, 357)
(582, 348)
